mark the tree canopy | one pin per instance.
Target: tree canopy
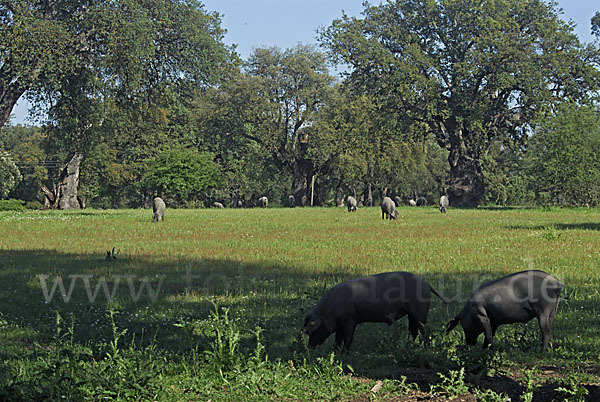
(180, 173)
(59, 50)
(10, 175)
(460, 96)
(472, 71)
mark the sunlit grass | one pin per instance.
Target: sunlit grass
(270, 265)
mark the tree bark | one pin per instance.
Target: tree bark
(339, 195)
(8, 98)
(368, 195)
(50, 197)
(302, 177)
(466, 179)
(64, 194)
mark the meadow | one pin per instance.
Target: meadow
(209, 304)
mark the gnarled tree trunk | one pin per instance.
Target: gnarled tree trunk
(466, 179)
(302, 176)
(64, 194)
(368, 195)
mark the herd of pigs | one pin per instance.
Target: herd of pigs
(389, 296)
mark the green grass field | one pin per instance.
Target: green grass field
(209, 304)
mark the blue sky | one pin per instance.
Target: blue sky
(284, 23)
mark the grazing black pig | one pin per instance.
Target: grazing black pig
(383, 297)
(515, 298)
(351, 204)
(444, 203)
(388, 209)
(263, 202)
(158, 209)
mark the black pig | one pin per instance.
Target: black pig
(158, 209)
(514, 298)
(383, 297)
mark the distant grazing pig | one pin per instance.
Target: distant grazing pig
(351, 201)
(383, 297)
(388, 209)
(218, 205)
(263, 202)
(158, 209)
(515, 298)
(444, 203)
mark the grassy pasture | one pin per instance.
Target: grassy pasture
(146, 333)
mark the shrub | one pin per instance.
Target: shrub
(182, 174)
(33, 205)
(12, 205)
(10, 175)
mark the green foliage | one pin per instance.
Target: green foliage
(12, 205)
(259, 123)
(564, 156)
(33, 205)
(530, 385)
(596, 24)
(79, 53)
(264, 268)
(103, 176)
(451, 385)
(490, 396)
(182, 174)
(358, 147)
(573, 388)
(452, 64)
(26, 145)
(506, 178)
(224, 354)
(292, 86)
(69, 371)
(10, 175)
(250, 374)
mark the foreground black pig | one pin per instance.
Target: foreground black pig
(515, 298)
(383, 297)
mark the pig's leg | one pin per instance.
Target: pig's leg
(487, 330)
(545, 321)
(414, 326)
(348, 327)
(339, 337)
(546, 327)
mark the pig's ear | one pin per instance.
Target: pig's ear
(312, 324)
(450, 326)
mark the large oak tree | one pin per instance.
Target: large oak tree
(273, 104)
(61, 51)
(473, 71)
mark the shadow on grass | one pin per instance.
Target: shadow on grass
(153, 298)
(559, 226)
(157, 302)
(500, 208)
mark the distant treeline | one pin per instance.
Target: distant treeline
(559, 166)
(493, 106)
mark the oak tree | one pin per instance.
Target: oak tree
(472, 71)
